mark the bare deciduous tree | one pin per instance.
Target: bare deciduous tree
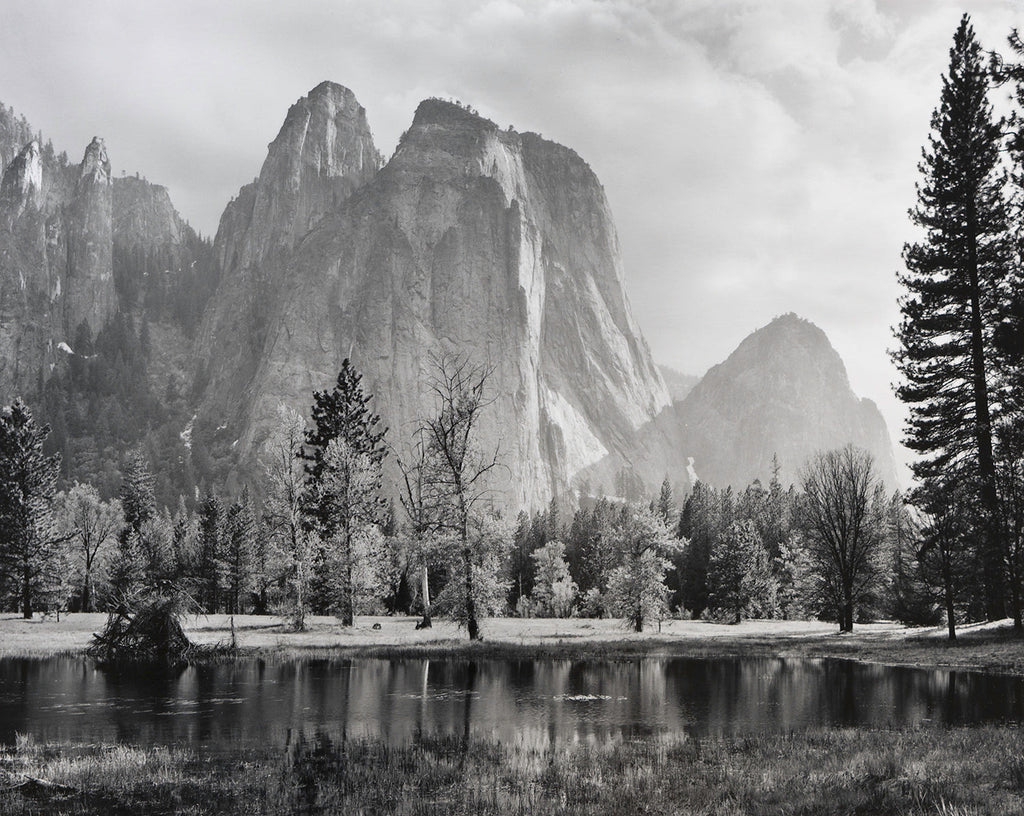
(286, 483)
(93, 524)
(843, 520)
(456, 481)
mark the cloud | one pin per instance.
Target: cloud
(759, 157)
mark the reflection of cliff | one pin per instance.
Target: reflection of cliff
(534, 703)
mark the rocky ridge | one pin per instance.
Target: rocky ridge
(471, 239)
(783, 392)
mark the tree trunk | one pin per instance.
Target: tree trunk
(950, 615)
(947, 583)
(1018, 622)
(26, 599)
(471, 623)
(846, 617)
(425, 623)
(994, 589)
(87, 592)
(347, 611)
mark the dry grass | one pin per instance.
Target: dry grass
(929, 771)
(987, 647)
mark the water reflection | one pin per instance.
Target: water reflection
(535, 702)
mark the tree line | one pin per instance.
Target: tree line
(320, 534)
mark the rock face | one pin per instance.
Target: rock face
(89, 285)
(678, 383)
(55, 258)
(323, 153)
(59, 226)
(783, 391)
(143, 215)
(471, 240)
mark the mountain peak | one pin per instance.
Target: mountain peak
(23, 179)
(332, 90)
(436, 111)
(784, 391)
(95, 166)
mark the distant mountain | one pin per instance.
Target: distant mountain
(678, 383)
(100, 279)
(470, 239)
(783, 392)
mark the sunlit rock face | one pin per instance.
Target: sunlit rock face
(471, 239)
(783, 392)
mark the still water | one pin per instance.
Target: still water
(539, 701)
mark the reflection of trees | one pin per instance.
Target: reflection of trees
(535, 702)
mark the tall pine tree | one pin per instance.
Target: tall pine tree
(337, 506)
(31, 553)
(955, 297)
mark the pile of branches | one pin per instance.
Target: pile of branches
(145, 631)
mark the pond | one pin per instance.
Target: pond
(257, 701)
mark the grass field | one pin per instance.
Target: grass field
(930, 771)
(986, 647)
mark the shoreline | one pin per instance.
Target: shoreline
(990, 647)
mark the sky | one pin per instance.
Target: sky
(759, 157)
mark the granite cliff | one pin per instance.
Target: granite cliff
(783, 392)
(471, 239)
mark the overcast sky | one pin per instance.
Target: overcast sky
(759, 156)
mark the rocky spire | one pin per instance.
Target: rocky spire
(323, 152)
(95, 166)
(89, 288)
(22, 181)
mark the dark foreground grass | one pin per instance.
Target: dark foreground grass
(929, 771)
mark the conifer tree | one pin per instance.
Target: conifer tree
(955, 297)
(740, 579)
(128, 570)
(31, 552)
(666, 507)
(237, 555)
(209, 546)
(346, 482)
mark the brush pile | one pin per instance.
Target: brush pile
(147, 631)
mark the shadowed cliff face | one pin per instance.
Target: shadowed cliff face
(783, 391)
(59, 226)
(55, 259)
(89, 287)
(475, 240)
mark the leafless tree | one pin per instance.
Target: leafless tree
(286, 483)
(455, 473)
(420, 507)
(93, 524)
(843, 518)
